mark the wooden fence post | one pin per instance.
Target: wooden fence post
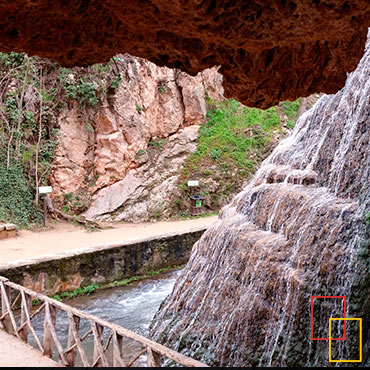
(46, 210)
(71, 355)
(48, 342)
(25, 310)
(99, 355)
(154, 358)
(6, 320)
(117, 350)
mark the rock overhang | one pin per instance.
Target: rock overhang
(268, 51)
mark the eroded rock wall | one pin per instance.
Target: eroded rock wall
(146, 192)
(135, 141)
(296, 231)
(269, 51)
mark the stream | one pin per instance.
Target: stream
(131, 307)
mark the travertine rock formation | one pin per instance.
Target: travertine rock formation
(297, 230)
(269, 51)
(97, 149)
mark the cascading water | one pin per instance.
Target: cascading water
(297, 230)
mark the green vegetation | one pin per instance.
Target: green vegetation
(134, 278)
(16, 198)
(140, 153)
(367, 219)
(290, 109)
(115, 82)
(33, 93)
(232, 133)
(162, 88)
(75, 203)
(231, 145)
(89, 127)
(139, 108)
(84, 92)
(28, 135)
(158, 144)
(87, 290)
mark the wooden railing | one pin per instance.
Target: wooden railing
(16, 317)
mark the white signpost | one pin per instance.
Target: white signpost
(193, 183)
(45, 189)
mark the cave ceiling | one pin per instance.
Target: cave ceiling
(268, 50)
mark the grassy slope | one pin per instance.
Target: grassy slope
(231, 146)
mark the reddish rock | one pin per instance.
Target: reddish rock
(144, 193)
(73, 157)
(97, 148)
(268, 51)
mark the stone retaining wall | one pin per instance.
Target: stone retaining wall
(103, 264)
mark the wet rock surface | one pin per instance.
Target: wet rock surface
(269, 51)
(297, 230)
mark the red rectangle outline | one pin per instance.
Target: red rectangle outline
(344, 315)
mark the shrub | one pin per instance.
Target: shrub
(84, 92)
(16, 197)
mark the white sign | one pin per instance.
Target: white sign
(45, 189)
(193, 183)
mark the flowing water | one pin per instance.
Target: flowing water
(131, 307)
(296, 231)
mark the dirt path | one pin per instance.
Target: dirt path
(62, 237)
(67, 237)
(15, 353)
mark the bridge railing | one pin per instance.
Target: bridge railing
(17, 317)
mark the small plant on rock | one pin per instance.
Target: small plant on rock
(140, 153)
(162, 88)
(139, 108)
(367, 219)
(84, 92)
(115, 83)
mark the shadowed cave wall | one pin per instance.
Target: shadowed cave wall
(269, 51)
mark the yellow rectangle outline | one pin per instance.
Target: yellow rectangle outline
(345, 318)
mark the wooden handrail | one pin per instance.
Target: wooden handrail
(67, 356)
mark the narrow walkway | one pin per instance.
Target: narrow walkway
(31, 246)
(15, 353)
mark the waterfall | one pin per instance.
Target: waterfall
(296, 230)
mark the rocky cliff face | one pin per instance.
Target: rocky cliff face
(296, 231)
(269, 51)
(151, 119)
(145, 193)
